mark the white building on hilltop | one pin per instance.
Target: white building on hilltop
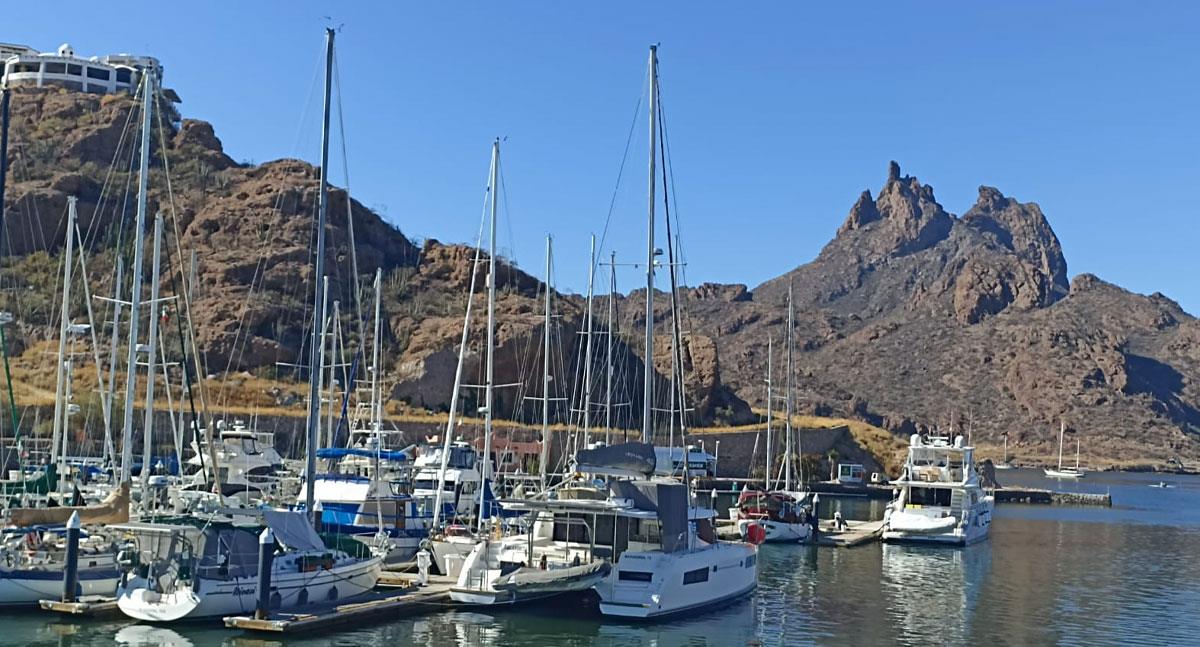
(25, 66)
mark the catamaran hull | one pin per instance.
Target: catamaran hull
(238, 596)
(25, 587)
(714, 575)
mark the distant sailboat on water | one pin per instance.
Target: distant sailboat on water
(1065, 472)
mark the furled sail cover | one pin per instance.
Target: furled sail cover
(625, 458)
(673, 515)
(293, 530)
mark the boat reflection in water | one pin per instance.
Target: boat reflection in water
(580, 624)
(139, 635)
(932, 595)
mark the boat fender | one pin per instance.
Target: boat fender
(756, 533)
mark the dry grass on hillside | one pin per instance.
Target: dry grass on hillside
(887, 448)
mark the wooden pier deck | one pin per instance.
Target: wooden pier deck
(87, 607)
(381, 605)
(856, 533)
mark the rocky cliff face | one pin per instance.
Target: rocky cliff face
(251, 229)
(911, 317)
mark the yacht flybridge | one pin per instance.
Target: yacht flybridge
(939, 497)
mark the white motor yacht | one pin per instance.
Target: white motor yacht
(939, 497)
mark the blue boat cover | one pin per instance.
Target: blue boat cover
(341, 452)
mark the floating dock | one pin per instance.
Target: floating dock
(381, 605)
(856, 533)
(1050, 497)
(85, 607)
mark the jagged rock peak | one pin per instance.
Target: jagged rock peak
(863, 212)
(909, 216)
(1024, 230)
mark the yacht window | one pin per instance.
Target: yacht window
(468, 487)
(929, 496)
(698, 575)
(641, 576)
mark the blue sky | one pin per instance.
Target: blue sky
(779, 114)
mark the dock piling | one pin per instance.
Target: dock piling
(71, 572)
(266, 554)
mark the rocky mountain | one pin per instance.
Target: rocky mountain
(914, 318)
(250, 229)
(910, 318)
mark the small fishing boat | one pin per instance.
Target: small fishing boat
(1162, 485)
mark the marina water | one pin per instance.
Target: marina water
(1049, 575)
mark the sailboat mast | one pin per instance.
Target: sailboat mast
(587, 353)
(770, 408)
(377, 343)
(12, 403)
(135, 292)
(109, 451)
(1062, 430)
(545, 454)
(148, 419)
(648, 383)
(314, 392)
(608, 371)
(787, 479)
(60, 406)
(489, 380)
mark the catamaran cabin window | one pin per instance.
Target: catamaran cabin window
(929, 496)
(639, 576)
(698, 575)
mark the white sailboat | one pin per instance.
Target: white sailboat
(529, 565)
(1065, 472)
(777, 515)
(195, 567)
(1004, 464)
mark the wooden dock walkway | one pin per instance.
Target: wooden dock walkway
(856, 533)
(87, 607)
(381, 605)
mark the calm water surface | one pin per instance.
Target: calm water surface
(1049, 575)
